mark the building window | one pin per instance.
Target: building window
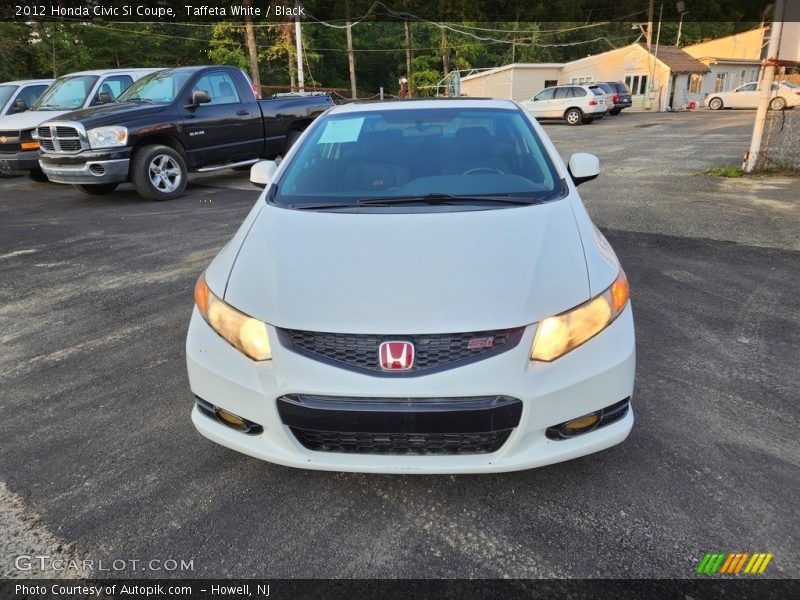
(695, 83)
(637, 84)
(581, 80)
(550, 82)
(720, 83)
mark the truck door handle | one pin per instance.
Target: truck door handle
(243, 113)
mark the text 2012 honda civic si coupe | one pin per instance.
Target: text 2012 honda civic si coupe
(419, 288)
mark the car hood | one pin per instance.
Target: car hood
(112, 113)
(394, 272)
(28, 120)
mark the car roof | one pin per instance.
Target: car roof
(423, 103)
(112, 71)
(26, 82)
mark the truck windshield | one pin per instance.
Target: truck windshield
(66, 93)
(161, 87)
(361, 158)
(6, 91)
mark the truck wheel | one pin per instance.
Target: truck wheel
(158, 173)
(615, 111)
(38, 175)
(96, 189)
(573, 116)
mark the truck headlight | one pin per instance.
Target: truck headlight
(555, 336)
(241, 331)
(107, 137)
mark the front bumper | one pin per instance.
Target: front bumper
(17, 162)
(598, 374)
(90, 167)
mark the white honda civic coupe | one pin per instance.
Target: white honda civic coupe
(419, 289)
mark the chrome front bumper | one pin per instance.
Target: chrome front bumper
(95, 171)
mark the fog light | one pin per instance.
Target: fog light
(231, 420)
(581, 424)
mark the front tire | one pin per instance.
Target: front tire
(159, 173)
(38, 176)
(715, 103)
(573, 116)
(616, 111)
(777, 103)
(96, 189)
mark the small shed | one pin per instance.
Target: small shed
(516, 81)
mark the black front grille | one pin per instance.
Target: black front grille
(66, 132)
(401, 443)
(70, 145)
(46, 144)
(432, 351)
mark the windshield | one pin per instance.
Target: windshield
(6, 91)
(418, 152)
(157, 88)
(66, 93)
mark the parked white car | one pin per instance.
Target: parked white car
(784, 95)
(20, 152)
(419, 289)
(575, 104)
(19, 96)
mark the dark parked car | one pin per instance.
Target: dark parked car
(168, 124)
(620, 94)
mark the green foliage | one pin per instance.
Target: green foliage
(726, 171)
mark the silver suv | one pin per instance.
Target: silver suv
(574, 103)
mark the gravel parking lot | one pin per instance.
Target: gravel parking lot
(100, 459)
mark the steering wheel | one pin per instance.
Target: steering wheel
(483, 170)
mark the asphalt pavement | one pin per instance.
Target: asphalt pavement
(101, 462)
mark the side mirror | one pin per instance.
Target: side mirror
(262, 172)
(535, 99)
(20, 105)
(200, 97)
(583, 167)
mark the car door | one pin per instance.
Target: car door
(220, 131)
(745, 96)
(561, 102)
(28, 94)
(541, 103)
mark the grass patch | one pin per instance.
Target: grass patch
(724, 172)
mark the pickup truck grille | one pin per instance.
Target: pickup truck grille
(59, 138)
(9, 141)
(432, 351)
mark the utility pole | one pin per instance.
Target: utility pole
(407, 27)
(298, 40)
(351, 59)
(766, 86)
(250, 37)
(650, 26)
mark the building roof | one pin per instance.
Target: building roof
(678, 60)
(513, 66)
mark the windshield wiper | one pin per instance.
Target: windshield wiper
(137, 99)
(49, 107)
(441, 199)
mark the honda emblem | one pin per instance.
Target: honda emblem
(396, 356)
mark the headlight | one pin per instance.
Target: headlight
(107, 137)
(245, 333)
(558, 335)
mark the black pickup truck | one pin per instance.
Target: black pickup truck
(168, 124)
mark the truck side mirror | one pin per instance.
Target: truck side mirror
(200, 97)
(262, 173)
(20, 105)
(583, 167)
